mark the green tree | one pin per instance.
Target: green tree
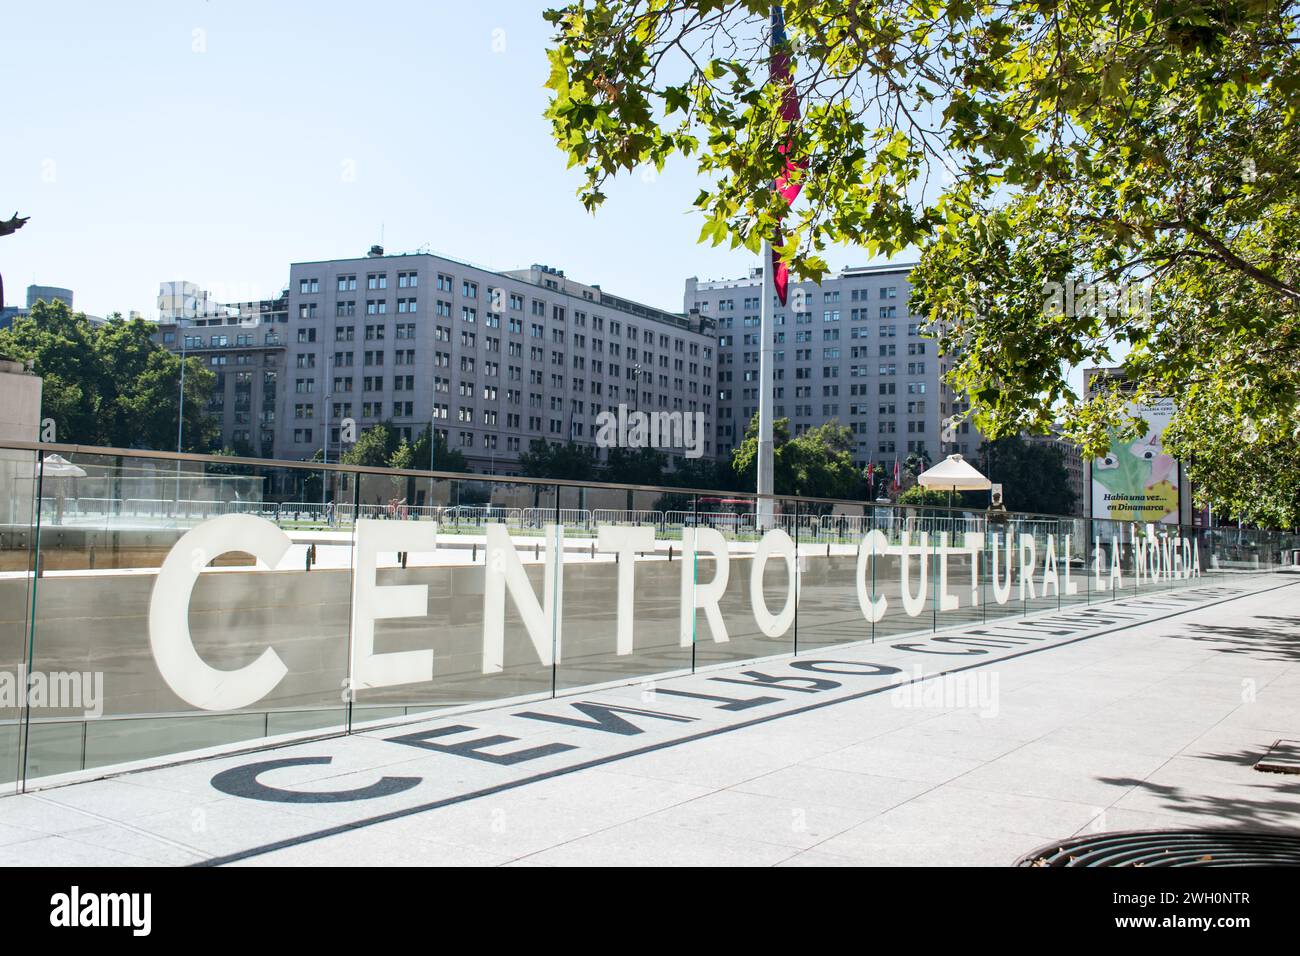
(706, 473)
(109, 384)
(915, 463)
(444, 458)
(1143, 150)
(823, 463)
(374, 447)
(639, 466)
(1254, 475)
(818, 463)
(918, 495)
(59, 345)
(744, 457)
(403, 456)
(1033, 476)
(139, 382)
(570, 461)
(383, 446)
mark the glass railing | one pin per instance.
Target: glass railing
(155, 605)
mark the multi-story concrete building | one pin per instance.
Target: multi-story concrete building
(496, 360)
(846, 349)
(244, 344)
(492, 360)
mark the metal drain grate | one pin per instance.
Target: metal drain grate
(1171, 848)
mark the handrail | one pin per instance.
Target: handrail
(316, 466)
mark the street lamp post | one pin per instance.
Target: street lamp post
(433, 431)
(180, 414)
(180, 417)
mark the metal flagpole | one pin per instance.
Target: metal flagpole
(779, 72)
(325, 444)
(765, 510)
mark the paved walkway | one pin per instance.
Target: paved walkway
(966, 747)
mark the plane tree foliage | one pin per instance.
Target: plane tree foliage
(817, 463)
(1087, 181)
(109, 383)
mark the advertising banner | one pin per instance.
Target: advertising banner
(1138, 480)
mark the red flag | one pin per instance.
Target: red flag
(788, 183)
(897, 476)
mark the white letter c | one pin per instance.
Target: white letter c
(193, 679)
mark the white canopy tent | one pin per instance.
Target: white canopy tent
(954, 473)
(56, 466)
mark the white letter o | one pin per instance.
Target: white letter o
(775, 542)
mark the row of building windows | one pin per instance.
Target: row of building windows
(798, 293)
(309, 310)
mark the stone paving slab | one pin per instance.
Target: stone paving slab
(966, 747)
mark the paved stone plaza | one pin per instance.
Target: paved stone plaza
(969, 746)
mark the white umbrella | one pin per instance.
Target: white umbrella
(56, 466)
(953, 474)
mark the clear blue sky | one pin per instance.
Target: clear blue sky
(144, 150)
(220, 140)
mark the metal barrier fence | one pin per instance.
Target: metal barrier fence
(895, 523)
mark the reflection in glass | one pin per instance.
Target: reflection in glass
(377, 595)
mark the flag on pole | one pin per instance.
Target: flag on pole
(788, 183)
(897, 476)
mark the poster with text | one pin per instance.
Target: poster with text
(1138, 480)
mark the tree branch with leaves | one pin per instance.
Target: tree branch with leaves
(1021, 146)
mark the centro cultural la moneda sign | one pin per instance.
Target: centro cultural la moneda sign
(209, 688)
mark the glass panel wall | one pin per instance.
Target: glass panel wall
(176, 609)
(831, 541)
(1072, 561)
(746, 560)
(19, 477)
(1038, 571)
(624, 577)
(905, 569)
(176, 604)
(956, 573)
(431, 627)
